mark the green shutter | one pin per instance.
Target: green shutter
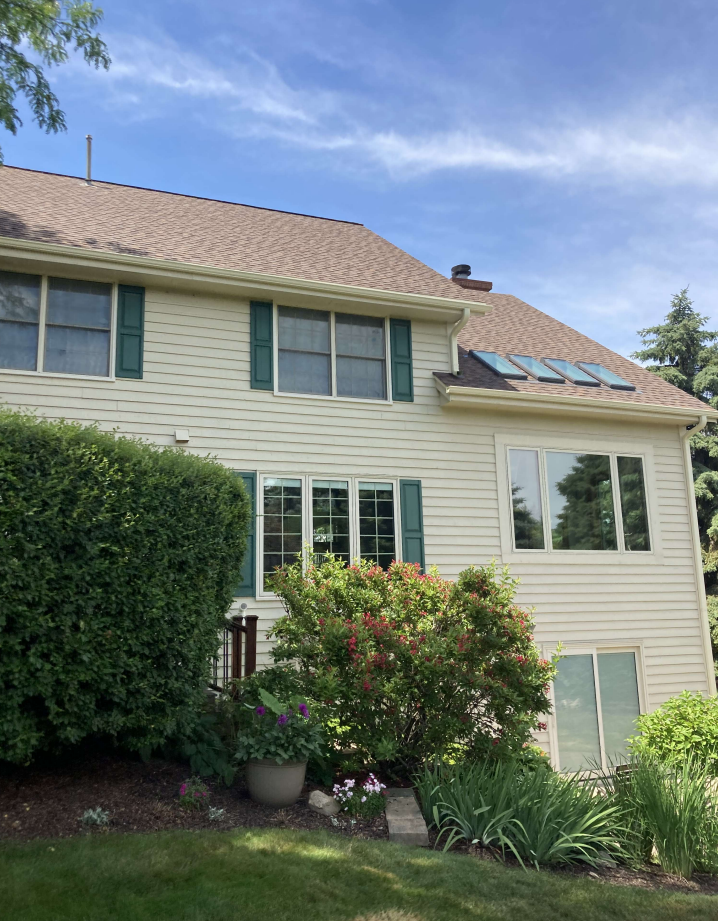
(402, 372)
(130, 331)
(246, 586)
(262, 345)
(412, 522)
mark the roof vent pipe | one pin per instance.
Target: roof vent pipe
(460, 271)
(88, 175)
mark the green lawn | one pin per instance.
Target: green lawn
(260, 875)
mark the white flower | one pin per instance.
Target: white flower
(363, 799)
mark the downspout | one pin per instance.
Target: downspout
(453, 339)
(696, 540)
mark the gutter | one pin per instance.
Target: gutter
(453, 339)
(685, 436)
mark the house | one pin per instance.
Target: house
(377, 408)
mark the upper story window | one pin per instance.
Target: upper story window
(55, 325)
(562, 500)
(331, 354)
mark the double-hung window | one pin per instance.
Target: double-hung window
(563, 500)
(331, 354)
(55, 325)
(596, 702)
(347, 517)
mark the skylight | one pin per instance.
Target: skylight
(571, 372)
(500, 366)
(537, 370)
(605, 376)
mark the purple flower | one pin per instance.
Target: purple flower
(183, 789)
(260, 711)
(282, 719)
(304, 711)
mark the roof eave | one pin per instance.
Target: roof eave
(555, 404)
(143, 269)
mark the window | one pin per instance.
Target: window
(537, 369)
(500, 366)
(73, 318)
(595, 502)
(282, 508)
(331, 354)
(376, 523)
(19, 320)
(348, 517)
(605, 376)
(596, 703)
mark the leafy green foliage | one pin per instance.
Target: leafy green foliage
(681, 351)
(404, 666)
(538, 816)
(193, 794)
(683, 727)
(280, 731)
(50, 29)
(365, 801)
(205, 750)
(674, 807)
(118, 561)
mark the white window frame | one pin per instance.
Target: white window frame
(594, 650)
(39, 372)
(610, 446)
(307, 530)
(333, 359)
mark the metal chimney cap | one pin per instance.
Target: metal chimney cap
(460, 271)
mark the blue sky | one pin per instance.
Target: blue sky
(567, 151)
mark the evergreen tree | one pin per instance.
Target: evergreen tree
(684, 353)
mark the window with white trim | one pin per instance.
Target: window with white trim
(350, 518)
(570, 501)
(596, 703)
(55, 325)
(331, 354)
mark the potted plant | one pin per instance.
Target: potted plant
(276, 746)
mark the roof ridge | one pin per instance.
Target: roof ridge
(221, 201)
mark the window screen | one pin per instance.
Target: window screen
(581, 501)
(571, 372)
(305, 364)
(618, 685)
(526, 499)
(282, 508)
(377, 532)
(19, 320)
(330, 518)
(605, 376)
(361, 357)
(77, 334)
(500, 366)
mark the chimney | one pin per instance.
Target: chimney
(460, 276)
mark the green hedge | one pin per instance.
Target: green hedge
(118, 562)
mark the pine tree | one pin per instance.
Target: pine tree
(684, 353)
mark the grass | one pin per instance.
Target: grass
(281, 875)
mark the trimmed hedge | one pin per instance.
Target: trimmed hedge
(118, 562)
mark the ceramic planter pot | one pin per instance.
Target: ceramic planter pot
(273, 784)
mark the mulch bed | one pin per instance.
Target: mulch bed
(47, 801)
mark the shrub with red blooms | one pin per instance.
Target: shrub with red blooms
(406, 666)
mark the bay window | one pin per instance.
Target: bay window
(570, 501)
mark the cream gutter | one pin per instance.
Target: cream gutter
(453, 339)
(685, 436)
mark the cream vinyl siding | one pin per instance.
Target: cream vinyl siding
(196, 377)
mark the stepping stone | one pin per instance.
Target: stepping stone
(404, 818)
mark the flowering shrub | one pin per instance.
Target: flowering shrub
(282, 732)
(363, 802)
(404, 666)
(194, 794)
